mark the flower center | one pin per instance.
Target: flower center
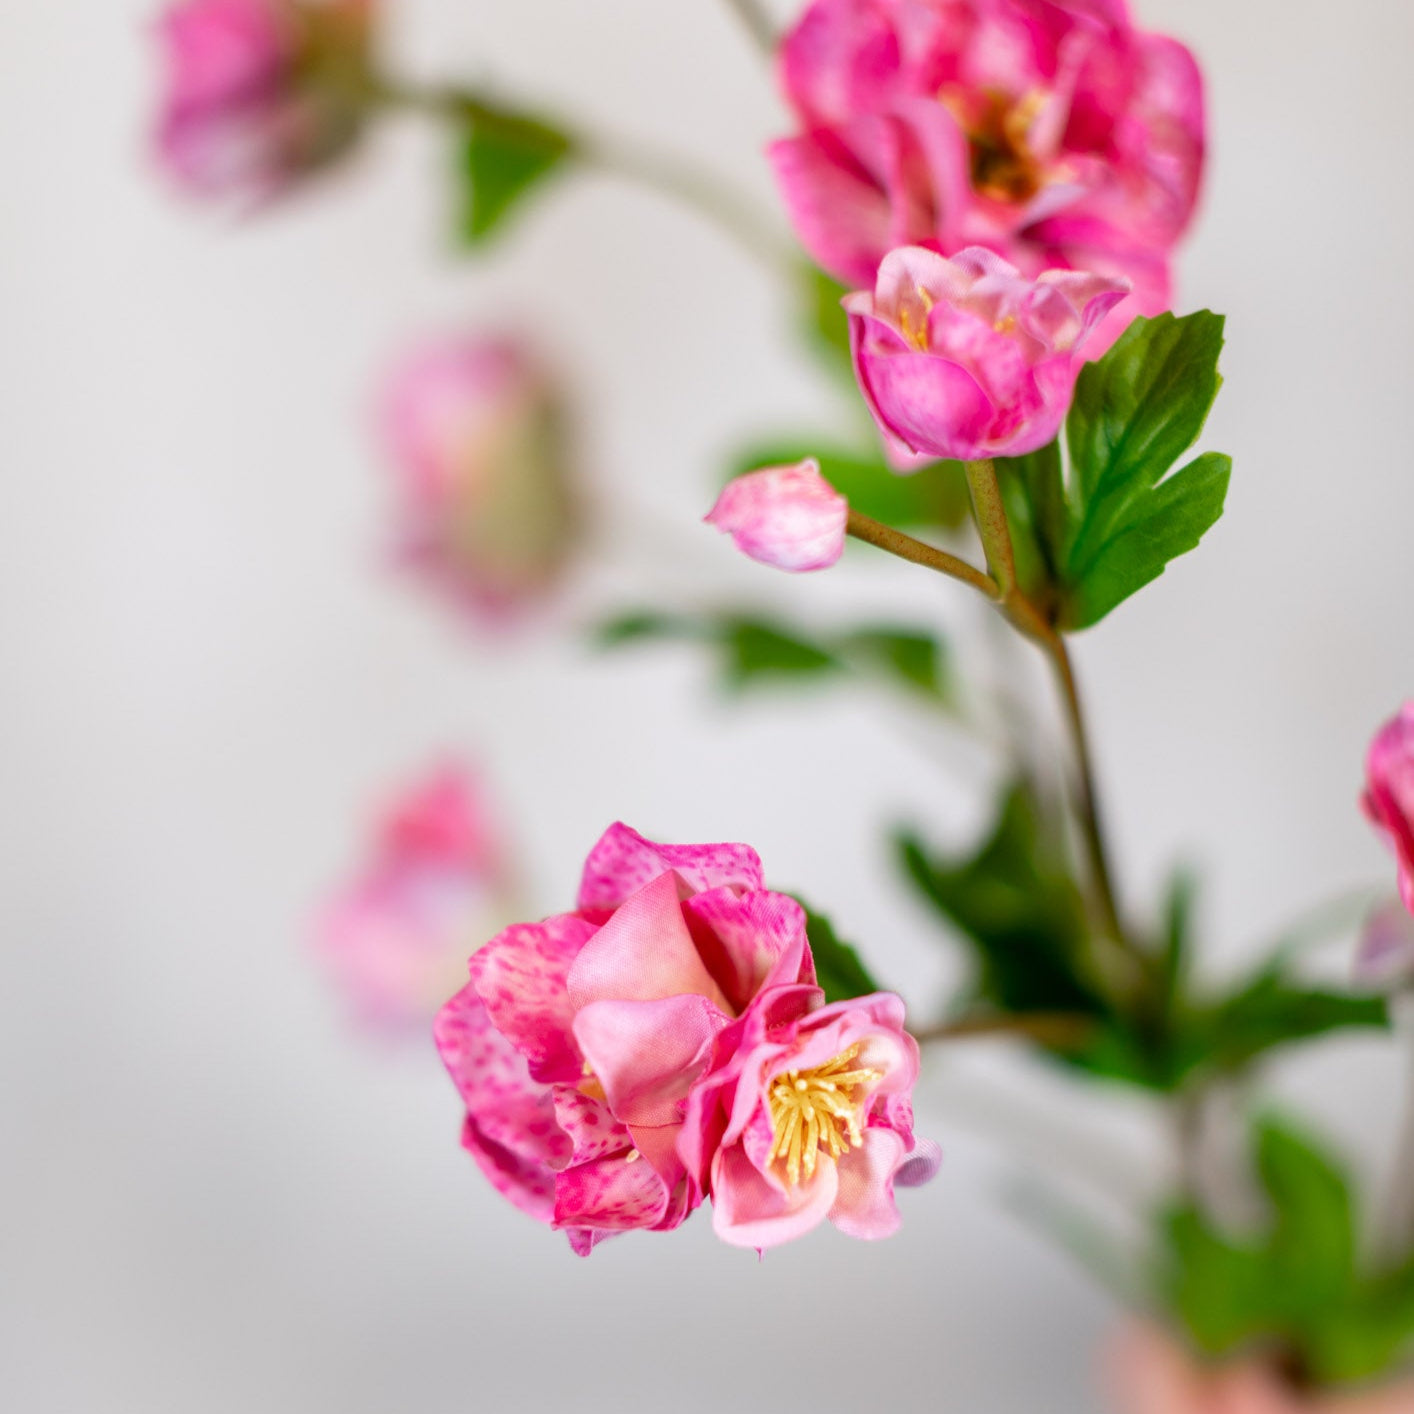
(817, 1109)
(998, 130)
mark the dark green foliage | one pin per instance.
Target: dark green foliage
(1087, 541)
(503, 157)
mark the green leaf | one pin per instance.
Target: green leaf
(934, 496)
(757, 650)
(642, 624)
(503, 157)
(1312, 1243)
(1220, 1290)
(824, 322)
(916, 660)
(1159, 527)
(1271, 1011)
(1368, 1337)
(1033, 488)
(838, 968)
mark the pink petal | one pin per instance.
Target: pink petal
(749, 1211)
(590, 1125)
(647, 1053)
(623, 862)
(788, 517)
(643, 953)
(750, 941)
(510, 1127)
(864, 1204)
(520, 975)
(616, 1194)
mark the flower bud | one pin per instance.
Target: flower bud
(786, 516)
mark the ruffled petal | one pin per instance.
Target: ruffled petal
(750, 941)
(750, 1211)
(623, 862)
(617, 1194)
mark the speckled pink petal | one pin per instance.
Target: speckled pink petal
(750, 941)
(748, 1211)
(617, 1194)
(623, 862)
(583, 1240)
(590, 1125)
(646, 1054)
(643, 953)
(510, 1127)
(520, 976)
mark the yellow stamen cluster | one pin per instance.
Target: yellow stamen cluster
(817, 1109)
(917, 334)
(1004, 166)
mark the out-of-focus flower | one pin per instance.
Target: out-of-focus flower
(395, 939)
(965, 357)
(786, 516)
(1052, 131)
(259, 92)
(577, 1041)
(1151, 1374)
(478, 443)
(1385, 958)
(805, 1115)
(1389, 793)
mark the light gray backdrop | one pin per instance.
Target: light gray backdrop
(214, 1197)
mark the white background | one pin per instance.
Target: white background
(215, 1197)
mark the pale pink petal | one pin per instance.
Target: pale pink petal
(510, 1127)
(864, 1204)
(750, 1211)
(520, 975)
(623, 862)
(615, 1194)
(647, 1053)
(788, 517)
(643, 953)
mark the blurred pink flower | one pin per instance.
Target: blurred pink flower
(805, 1115)
(395, 939)
(1389, 793)
(478, 445)
(259, 92)
(786, 516)
(1051, 131)
(1151, 1374)
(965, 357)
(577, 1041)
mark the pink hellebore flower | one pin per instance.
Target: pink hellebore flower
(1151, 1374)
(396, 938)
(786, 516)
(578, 1039)
(259, 92)
(478, 445)
(1052, 131)
(806, 1115)
(1389, 793)
(965, 357)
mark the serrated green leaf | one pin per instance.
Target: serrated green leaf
(838, 968)
(1159, 526)
(503, 157)
(936, 495)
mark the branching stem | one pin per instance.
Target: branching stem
(757, 24)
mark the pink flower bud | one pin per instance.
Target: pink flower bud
(786, 516)
(486, 511)
(395, 939)
(1389, 793)
(258, 92)
(965, 358)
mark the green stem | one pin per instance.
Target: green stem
(757, 24)
(885, 537)
(702, 191)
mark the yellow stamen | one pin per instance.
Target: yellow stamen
(815, 1109)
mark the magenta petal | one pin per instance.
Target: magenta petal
(623, 862)
(749, 1211)
(750, 941)
(647, 1053)
(643, 953)
(617, 1194)
(520, 976)
(510, 1127)
(590, 1125)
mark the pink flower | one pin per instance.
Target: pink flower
(1151, 1374)
(966, 358)
(806, 1115)
(258, 92)
(786, 516)
(578, 1039)
(1385, 958)
(395, 939)
(478, 445)
(1051, 131)
(1389, 793)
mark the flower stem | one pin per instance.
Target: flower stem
(885, 537)
(757, 24)
(1059, 1029)
(700, 190)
